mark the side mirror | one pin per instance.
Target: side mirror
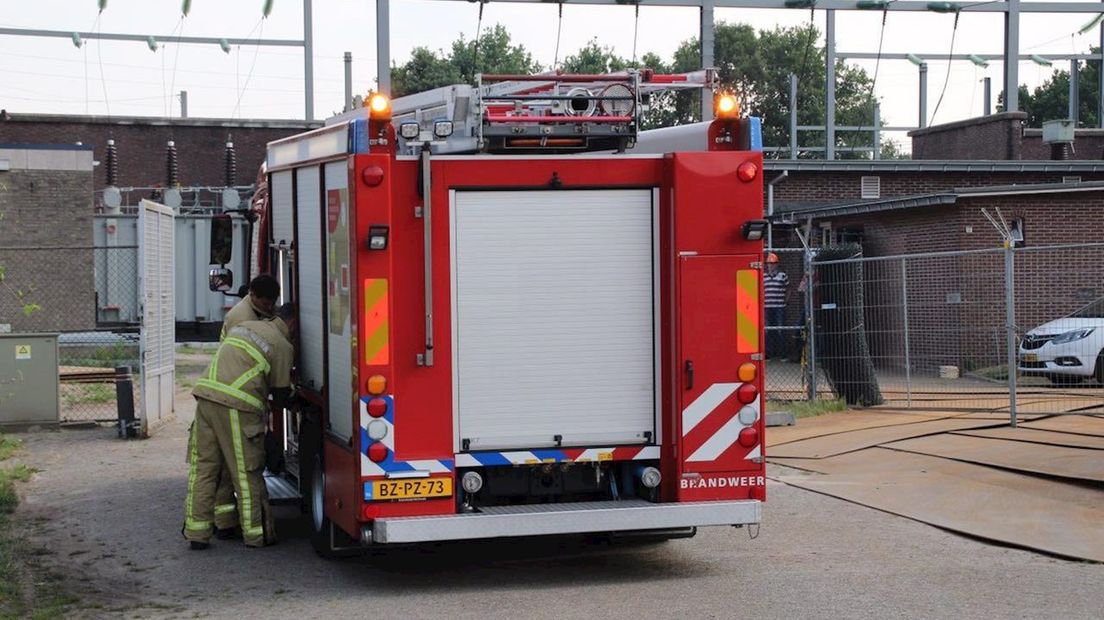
(222, 239)
(220, 280)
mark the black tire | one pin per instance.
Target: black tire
(1099, 373)
(1065, 380)
(328, 540)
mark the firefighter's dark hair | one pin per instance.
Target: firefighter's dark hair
(265, 287)
(286, 311)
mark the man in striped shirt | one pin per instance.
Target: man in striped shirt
(775, 288)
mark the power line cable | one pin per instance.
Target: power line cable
(253, 65)
(874, 80)
(947, 79)
(176, 62)
(99, 60)
(478, 31)
(559, 27)
(636, 28)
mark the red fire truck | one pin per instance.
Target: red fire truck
(518, 316)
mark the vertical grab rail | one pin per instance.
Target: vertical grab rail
(426, 358)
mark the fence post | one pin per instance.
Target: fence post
(1010, 326)
(810, 326)
(908, 359)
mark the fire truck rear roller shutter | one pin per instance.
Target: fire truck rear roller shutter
(554, 317)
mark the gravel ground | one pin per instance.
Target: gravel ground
(115, 513)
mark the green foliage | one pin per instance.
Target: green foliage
(593, 58)
(8, 446)
(496, 53)
(1050, 101)
(90, 394)
(808, 409)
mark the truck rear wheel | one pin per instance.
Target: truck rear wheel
(328, 540)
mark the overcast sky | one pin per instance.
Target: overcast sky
(52, 76)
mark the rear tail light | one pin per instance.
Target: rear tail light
(377, 452)
(746, 393)
(748, 415)
(748, 437)
(377, 407)
(747, 171)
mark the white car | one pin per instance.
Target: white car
(1066, 350)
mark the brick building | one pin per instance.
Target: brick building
(46, 238)
(141, 144)
(955, 302)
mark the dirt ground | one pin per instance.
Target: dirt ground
(110, 513)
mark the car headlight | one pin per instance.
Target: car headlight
(1072, 335)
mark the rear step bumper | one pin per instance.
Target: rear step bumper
(575, 518)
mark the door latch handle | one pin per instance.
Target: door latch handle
(689, 374)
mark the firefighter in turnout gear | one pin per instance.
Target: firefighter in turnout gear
(258, 304)
(253, 361)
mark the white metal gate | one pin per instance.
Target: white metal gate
(156, 251)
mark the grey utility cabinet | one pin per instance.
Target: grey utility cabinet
(28, 379)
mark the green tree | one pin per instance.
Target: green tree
(593, 58)
(757, 67)
(1050, 101)
(495, 53)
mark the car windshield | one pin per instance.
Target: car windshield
(1095, 310)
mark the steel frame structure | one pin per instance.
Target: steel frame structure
(1011, 10)
(307, 43)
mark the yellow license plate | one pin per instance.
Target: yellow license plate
(1031, 357)
(410, 488)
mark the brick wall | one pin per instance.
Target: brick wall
(812, 187)
(43, 211)
(997, 136)
(956, 304)
(200, 144)
(1087, 144)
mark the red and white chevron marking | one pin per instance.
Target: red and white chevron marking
(711, 425)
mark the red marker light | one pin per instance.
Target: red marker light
(377, 452)
(377, 407)
(746, 393)
(747, 171)
(748, 437)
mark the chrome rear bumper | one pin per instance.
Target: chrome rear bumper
(575, 518)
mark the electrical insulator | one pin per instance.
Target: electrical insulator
(231, 164)
(172, 168)
(112, 156)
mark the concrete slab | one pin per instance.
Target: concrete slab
(1031, 435)
(1060, 461)
(1078, 424)
(780, 418)
(844, 421)
(1048, 516)
(850, 441)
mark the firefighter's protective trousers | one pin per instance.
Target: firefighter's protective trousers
(233, 441)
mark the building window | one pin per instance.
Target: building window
(871, 187)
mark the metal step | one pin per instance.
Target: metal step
(281, 491)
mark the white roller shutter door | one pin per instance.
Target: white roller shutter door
(309, 254)
(553, 318)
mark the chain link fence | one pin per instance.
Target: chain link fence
(1009, 330)
(89, 296)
